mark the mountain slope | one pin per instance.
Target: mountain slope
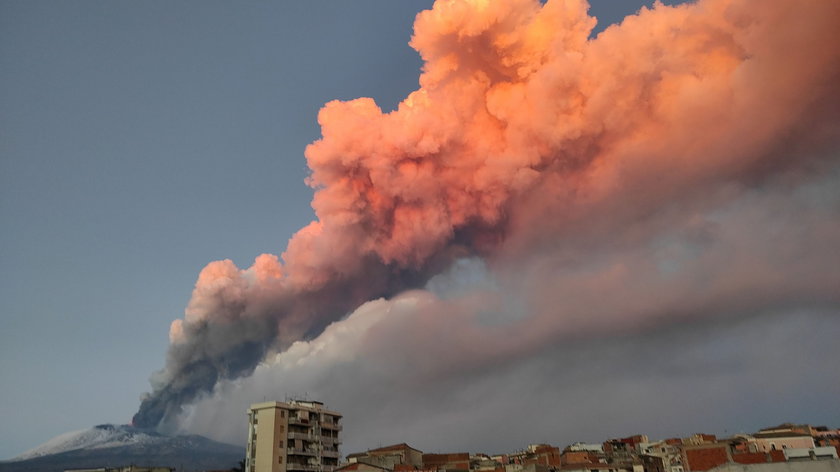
(119, 445)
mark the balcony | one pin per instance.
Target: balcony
(327, 453)
(306, 467)
(301, 451)
(333, 426)
(304, 436)
(300, 421)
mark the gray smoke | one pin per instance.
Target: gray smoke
(255, 322)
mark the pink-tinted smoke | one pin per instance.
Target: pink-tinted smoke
(522, 127)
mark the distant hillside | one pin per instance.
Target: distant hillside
(119, 445)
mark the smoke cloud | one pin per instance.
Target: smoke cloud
(681, 165)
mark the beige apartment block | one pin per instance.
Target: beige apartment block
(294, 436)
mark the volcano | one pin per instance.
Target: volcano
(111, 445)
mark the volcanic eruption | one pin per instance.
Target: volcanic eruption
(522, 127)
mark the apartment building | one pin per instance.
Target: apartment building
(293, 436)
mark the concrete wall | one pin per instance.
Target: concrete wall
(793, 454)
(386, 461)
(414, 458)
(805, 466)
(795, 442)
(271, 429)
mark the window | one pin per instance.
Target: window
(281, 444)
(279, 459)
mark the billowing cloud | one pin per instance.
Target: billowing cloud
(680, 166)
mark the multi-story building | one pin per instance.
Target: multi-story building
(294, 436)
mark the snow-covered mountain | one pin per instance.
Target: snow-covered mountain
(102, 436)
(110, 445)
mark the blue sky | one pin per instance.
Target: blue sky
(140, 141)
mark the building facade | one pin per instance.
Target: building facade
(782, 440)
(389, 457)
(294, 436)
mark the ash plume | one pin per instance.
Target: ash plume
(524, 131)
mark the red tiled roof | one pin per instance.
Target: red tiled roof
(395, 447)
(457, 460)
(588, 466)
(704, 458)
(353, 466)
(781, 434)
(356, 465)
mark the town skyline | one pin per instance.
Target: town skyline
(305, 435)
(298, 425)
(768, 437)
